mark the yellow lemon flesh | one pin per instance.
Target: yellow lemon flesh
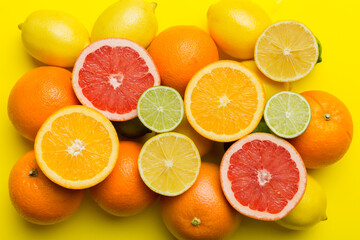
(271, 87)
(310, 210)
(131, 19)
(53, 37)
(236, 25)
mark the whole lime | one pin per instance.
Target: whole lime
(131, 19)
(310, 210)
(235, 25)
(53, 37)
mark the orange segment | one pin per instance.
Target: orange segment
(224, 101)
(77, 147)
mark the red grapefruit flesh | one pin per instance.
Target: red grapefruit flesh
(111, 74)
(263, 176)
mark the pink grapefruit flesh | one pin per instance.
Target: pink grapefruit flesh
(263, 176)
(111, 74)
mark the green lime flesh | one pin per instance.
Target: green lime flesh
(287, 114)
(160, 109)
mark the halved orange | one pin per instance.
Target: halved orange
(224, 101)
(76, 147)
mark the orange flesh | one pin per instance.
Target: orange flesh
(224, 108)
(76, 142)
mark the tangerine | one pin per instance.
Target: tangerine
(36, 198)
(329, 134)
(37, 95)
(179, 52)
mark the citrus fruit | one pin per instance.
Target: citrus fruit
(36, 198)
(329, 134)
(179, 52)
(131, 129)
(123, 193)
(111, 74)
(76, 147)
(263, 176)
(287, 114)
(38, 94)
(131, 19)
(236, 25)
(310, 210)
(160, 109)
(204, 145)
(271, 87)
(286, 51)
(54, 37)
(169, 163)
(202, 212)
(224, 101)
(261, 127)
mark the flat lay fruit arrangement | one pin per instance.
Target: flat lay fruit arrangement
(205, 122)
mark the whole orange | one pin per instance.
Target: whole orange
(123, 193)
(202, 212)
(179, 52)
(38, 94)
(36, 198)
(329, 133)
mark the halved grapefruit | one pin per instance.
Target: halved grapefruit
(263, 176)
(111, 74)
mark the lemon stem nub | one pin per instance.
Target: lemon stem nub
(326, 117)
(325, 218)
(153, 5)
(195, 222)
(33, 172)
(20, 26)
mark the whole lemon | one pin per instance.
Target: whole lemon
(131, 19)
(53, 37)
(310, 210)
(271, 87)
(235, 25)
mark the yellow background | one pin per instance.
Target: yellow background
(336, 24)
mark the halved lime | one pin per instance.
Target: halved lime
(169, 163)
(287, 114)
(160, 108)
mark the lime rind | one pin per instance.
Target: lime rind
(287, 114)
(160, 109)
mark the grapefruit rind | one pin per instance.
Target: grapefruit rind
(226, 184)
(257, 116)
(112, 42)
(80, 184)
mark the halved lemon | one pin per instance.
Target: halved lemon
(76, 147)
(224, 101)
(286, 51)
(169, 163)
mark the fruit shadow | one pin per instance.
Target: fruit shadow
(36, 63)
(18, 140)
(90, 207)
(251, 227)
(225, 56)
